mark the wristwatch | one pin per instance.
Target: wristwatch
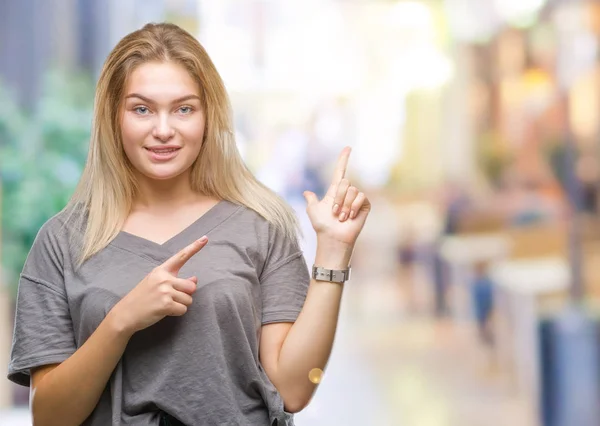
(331, 275)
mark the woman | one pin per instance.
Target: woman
(171, 289)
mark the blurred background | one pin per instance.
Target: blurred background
(475, 130)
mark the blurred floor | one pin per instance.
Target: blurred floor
(393, 364)
(15, 417)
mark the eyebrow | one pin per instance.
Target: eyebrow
(150, 101)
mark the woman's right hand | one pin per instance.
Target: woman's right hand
(161, 293)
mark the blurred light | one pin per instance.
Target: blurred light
(300, 48)
(584, 107)
(422, 67)
(380, 118)
(519, 12)
(321, 60)
(471, 20)
(315, 375)
(538, 89)
(417, 63)
(410, 14)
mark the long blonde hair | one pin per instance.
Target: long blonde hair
(107, 187)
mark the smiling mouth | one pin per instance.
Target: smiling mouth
(162, 150)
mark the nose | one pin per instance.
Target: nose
(163, 130)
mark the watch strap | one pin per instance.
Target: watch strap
(331, 275)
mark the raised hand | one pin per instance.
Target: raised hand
(341, 214)
(161, 293)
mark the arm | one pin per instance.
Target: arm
(290, 351)
(67, 393)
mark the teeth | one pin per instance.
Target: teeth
(162, 151)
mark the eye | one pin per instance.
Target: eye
(185, 110)
(142, 110)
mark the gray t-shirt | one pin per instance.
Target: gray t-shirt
(203, 367)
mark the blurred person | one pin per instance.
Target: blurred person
(285, 164)
(287, 173)
(455, 203)
(171, 290)
(407, 252)
(482, 298)
(530, 205)
(527, 199)
(588, 174)
(440, 282)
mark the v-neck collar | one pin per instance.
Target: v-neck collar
(159, 253)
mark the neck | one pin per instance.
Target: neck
(165, 194)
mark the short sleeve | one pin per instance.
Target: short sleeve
(284, 280)
(43, 331)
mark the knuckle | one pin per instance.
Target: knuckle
(166, 300)
(164, 289)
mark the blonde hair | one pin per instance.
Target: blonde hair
(107, 187)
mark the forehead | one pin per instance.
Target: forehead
(161, 80)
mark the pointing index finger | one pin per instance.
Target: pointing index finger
(342, 164)
(176, 262)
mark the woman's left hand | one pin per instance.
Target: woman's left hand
(341, 214)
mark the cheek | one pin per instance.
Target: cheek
(193, 134)
(133, 133)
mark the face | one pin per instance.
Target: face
(162, 122)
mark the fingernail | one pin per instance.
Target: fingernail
(343, 216)
(352, 214)
(336, 208)
(203, 239)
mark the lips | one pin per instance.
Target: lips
(162, 153)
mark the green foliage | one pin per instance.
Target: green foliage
(41, 158)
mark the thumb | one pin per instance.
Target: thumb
(310, 197)
(194, 279)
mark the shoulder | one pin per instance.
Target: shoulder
(52, 230)
(55, 239)
(248, 224)
(63, 225)
(255, 221)
(247, 219)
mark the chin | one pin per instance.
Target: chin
(162, 175)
